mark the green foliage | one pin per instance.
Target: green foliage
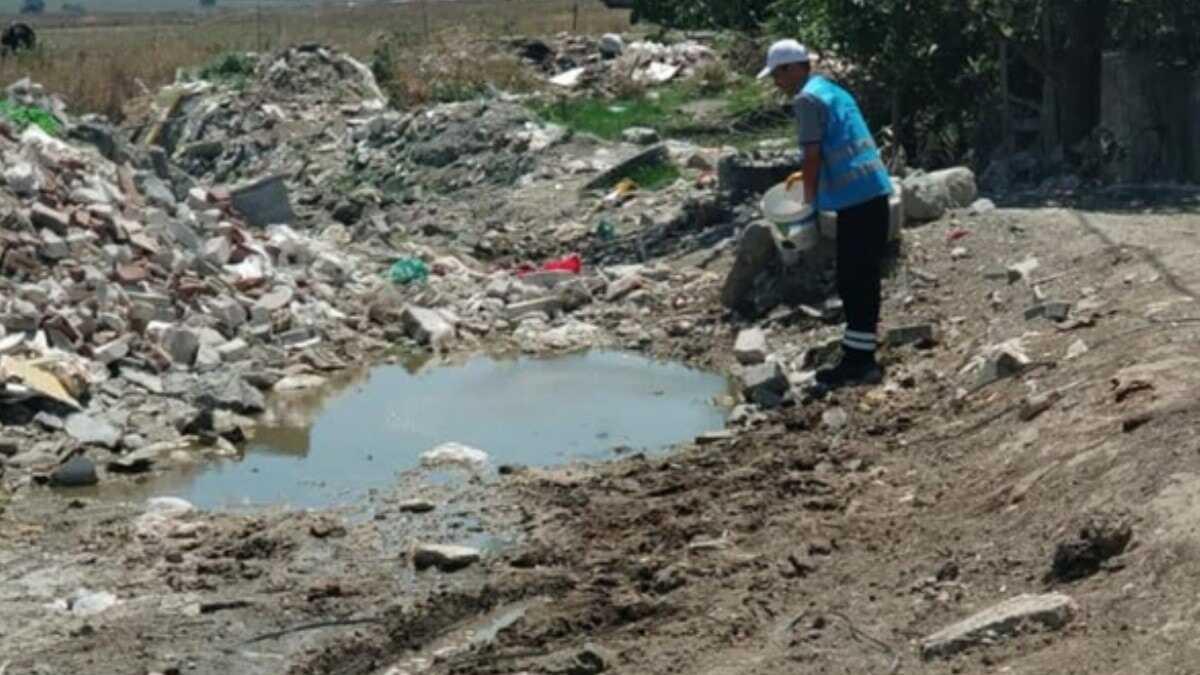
(33, 6)
(23, 116)
(655, 176)
(704, 14)
(232, 67)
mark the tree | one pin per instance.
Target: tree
(704, 14)
(33, 7)
(208, 3)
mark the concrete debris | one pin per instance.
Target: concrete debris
(765, 384)
(428, 327)
(640, 136)
(1036, 404)
(454, 454)
(928, 196)
(1005, 361)
(923, 336)
(1023, 270)
(1077, 349)
(1051, 611)
(446, 558)
(611, 45)
(88, 430)
(751, 346)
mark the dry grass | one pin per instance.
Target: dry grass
(97, 68)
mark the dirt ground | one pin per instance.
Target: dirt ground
(801, 543)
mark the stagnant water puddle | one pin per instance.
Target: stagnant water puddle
(330, 445)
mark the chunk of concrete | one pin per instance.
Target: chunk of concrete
(114, 350)
(445, 558)
(1022, 271)
(427, 327)
(765, 384)
(922, 335)
(611, 45)
(750, 348)
(229, 312)
(929, 196)
(181, 344)
(44, 217)
(640, 135)
(88, 430)
(53, 246)
(263, 202)
(1051, 611)
(454, 454)
(234, 350)
(549, 306)
(277, 298)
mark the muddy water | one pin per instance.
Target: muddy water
(331, 444)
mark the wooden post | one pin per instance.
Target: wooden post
(575, 18)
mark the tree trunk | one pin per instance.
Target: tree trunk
(1084, 32)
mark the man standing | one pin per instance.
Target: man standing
(843, 168)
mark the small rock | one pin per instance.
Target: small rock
(427, 327)
(623, 286)
(88, 430)
(454, 454)
(234, 350)
(1005, 363)
(640, 135)
(1036, 404)
(751, 346)
(182, 344)
(835, 419)
(298, 382)
(981, 206)
(710, 437)
(446, 558)
(959, 252)
(44, 217)
(1077, 349)
(276, 299)
(113, 351)
(1022, 271)
(922, 335)
(1101, 536)
(765, 384)
(548, 306)
(611, 45)
(1053, 611)
(415, 506)
(79, 471)
(88, 603)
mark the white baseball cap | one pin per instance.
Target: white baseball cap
(782, 53)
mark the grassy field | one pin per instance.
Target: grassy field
(99, 63)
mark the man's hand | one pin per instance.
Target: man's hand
(793, 180)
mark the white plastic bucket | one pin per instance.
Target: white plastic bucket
(783, 206)
(788, 210)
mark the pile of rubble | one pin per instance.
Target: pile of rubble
(134, 322)
(578, 61)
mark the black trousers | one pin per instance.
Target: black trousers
(862, 236)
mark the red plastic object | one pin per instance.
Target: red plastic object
(571, 263)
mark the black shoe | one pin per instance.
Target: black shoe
(850, 372)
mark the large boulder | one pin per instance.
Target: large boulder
(928, 196)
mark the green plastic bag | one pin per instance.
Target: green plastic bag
(408, 270)
(606, 230)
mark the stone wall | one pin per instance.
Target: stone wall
(1154, 111)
